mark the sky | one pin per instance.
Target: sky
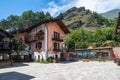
(17, 7)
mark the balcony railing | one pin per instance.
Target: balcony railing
(29, 39)
(57, 38)
(6, 46)
(56, 49)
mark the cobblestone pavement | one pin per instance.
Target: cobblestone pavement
(62, 71)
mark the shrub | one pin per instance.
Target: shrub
(44, 62)
(50, 59)
(37, 61)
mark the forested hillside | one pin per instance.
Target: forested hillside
(27, 19)
(82, 38)
(111, 14)
(80, 17)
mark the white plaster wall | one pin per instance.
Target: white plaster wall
(33, 31)
(41, 54)
(46, 41)
(53, 55)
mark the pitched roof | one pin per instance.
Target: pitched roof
(59, 22)
(3, 34)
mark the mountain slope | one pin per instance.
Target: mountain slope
(80, 17)
(111, 14)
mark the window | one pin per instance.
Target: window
(38, 45)
(56, 45)
(56, 35)
(6, 45)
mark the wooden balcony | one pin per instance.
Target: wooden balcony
(40, 38)
(30, 39)
(56, 49)
(60, 39)
(6, 47)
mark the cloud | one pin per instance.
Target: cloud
(99, 6)
(54, 9)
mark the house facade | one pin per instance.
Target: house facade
(5, 45)
(45, 39)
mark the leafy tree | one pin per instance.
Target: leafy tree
(18, 45)
(28, 18)
(82, 38)
(13, 18)
(48, 16)
(28, 15)
(4, 24)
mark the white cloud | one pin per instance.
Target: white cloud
(54, 9)
(99, 6)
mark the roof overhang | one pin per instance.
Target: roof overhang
(4, 34)
(58, 21)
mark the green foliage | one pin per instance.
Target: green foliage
(111, 14)
(40, 61)
(18, 45)
(28, 18)
(78, 39)
(45, 62)
(83, 38)
(80, 17)
(37, 60)
(50, 59)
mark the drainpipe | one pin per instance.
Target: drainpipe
(46, 42)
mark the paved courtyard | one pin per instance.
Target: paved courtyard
(62, 71)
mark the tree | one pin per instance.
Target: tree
(18, 45)
(48, 16)
(13, 18)
(4, 24)
(28, 15)
(40, 16)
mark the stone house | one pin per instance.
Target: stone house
(45, 39)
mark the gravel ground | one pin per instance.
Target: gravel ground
(62, 71)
